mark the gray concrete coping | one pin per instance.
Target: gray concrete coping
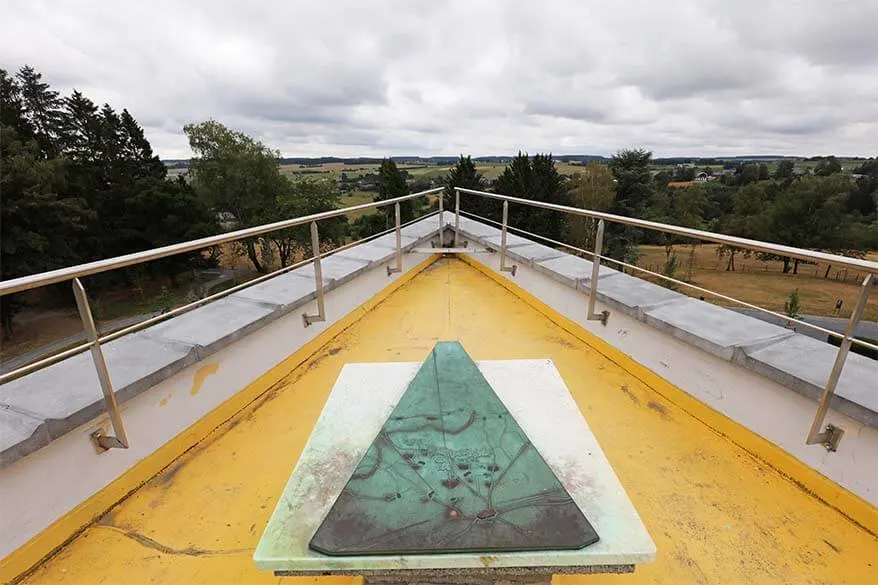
(791, 359)
(41, 407)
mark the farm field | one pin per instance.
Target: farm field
(763, 283)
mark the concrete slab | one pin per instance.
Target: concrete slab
(369, 253)
(425, 227)
(803, 364)
(512, 241)
(336, 269)
(534, 253)
(630, 294)
(287, 290)
(711, 328)
(475, 229)
(389, 240)
(570, 270)
(20, 434)
(217, 324)
(68, 394)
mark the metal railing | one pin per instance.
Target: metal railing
(94, 340)
(830, 435)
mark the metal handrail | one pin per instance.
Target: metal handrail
(683, 283)
(757, 245)
(119, 440)
(80, 270)
(830, 435)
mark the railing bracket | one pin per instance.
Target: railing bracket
(830, 437)
(104, 442)
(603, 317)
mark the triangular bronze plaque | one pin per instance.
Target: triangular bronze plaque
(451, 471)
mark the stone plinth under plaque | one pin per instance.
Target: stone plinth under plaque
(445, 472)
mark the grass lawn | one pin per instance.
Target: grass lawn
(763, 283)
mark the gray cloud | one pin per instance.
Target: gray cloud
(485, 77)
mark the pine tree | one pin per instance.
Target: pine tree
(391, 184)
(464, 174)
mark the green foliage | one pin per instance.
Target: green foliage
(593, 189)
(535, 178)
(305, 197)
(239, 176)
(81, 183)
(391, 184)
(791, 305)
(464, 174)
(784, 169)
(828, 166)
(634, 192)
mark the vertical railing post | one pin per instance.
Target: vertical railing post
(831, 435)
(398, 267)
(456, 217)
(595, 272)
(101, 440)
(441, 210)
(318, 277)
(503, 267)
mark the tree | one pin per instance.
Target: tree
(40, 224)
(784, 169)
(828, 166)
(535, 178)
(791, 306)
(592, 189)
(808, 214)
(306, 197)
(763, 172)
(236, 174)
(634, 192)
(391, 184)
(464, 174)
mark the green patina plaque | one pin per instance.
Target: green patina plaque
(451, 471)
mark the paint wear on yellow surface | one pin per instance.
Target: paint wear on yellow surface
(717, 514)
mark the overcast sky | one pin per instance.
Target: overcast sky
(679, 77)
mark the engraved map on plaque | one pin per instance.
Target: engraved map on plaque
(451, 471)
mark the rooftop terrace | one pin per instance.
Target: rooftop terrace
(702, 413)
(716, 512)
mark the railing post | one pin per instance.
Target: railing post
(318, 277)
(831, 435)
(503, 267)
(441, 210)
(595, 272)
(101, 440)
(398, 267)
(456, 217)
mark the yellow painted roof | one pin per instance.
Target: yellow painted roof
(716, 513)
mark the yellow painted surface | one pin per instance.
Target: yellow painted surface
(717, 514)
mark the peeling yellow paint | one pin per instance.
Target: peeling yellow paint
(164, 401)
(201, 375)
(487, 560)
(717, 514)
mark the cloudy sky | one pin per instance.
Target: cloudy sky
(679, 77)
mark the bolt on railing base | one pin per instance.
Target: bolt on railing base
(104, 442)
(603, 317)
(829, 438)
(311, 319)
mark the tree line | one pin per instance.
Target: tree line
(80, 182)
(825, 211)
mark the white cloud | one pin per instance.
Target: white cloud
(353, 78)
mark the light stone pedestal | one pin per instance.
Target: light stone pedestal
(534, 393)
